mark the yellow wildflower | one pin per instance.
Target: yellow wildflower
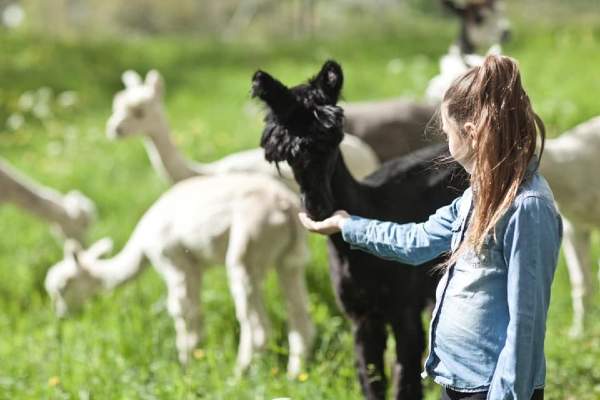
(199, 354)
(54, 381)
(303, 377)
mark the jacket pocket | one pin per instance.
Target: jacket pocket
(488, 254)
(456, 233)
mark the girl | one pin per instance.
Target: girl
(503, 235)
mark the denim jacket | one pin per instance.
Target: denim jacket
(488, 325)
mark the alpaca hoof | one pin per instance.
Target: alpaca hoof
(240, 371)
(294, 367)
(576, 332)
(184, 359)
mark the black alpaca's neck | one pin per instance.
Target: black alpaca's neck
(371, 198)
(400, 190)
(348, 193)
(327, 186)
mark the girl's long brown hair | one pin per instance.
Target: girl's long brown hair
(504, 140)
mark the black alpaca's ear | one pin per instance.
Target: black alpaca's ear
(330, 80)
(455, 8)
(260, 83)
(274, 93)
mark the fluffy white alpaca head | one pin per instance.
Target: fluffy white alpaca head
(136, 110)
(81, 212)
(69, 282)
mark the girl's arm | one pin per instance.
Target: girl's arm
(531, 246)
(412, 243)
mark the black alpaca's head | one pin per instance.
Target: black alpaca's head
(302, 120)
(304, 128)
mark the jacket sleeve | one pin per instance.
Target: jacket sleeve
(531, 244)
(412, 243)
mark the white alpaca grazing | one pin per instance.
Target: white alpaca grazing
(70, 214)
(246, 221)
(571, 163)
(139, 109)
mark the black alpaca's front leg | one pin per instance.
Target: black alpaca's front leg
(369, 344)
(410, 345)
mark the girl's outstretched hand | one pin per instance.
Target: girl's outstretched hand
(328, 226)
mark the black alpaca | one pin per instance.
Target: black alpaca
(304, 128)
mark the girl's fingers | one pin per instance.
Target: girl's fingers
(313, 226)
(326, 227)
(306, 221)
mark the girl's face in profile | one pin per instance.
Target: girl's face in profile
(458, 142)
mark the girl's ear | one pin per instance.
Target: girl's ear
(470, 131)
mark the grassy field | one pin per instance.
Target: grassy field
(122, 345)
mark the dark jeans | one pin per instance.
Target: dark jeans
(449, 394)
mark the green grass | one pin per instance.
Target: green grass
(122, 345)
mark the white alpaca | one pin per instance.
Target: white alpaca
(571, 163)
(452, 65)
(397, 126)
(139, 109)
(483, 26)
(71, 214)
(246, 221)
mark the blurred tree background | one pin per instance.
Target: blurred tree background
(249, 18)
